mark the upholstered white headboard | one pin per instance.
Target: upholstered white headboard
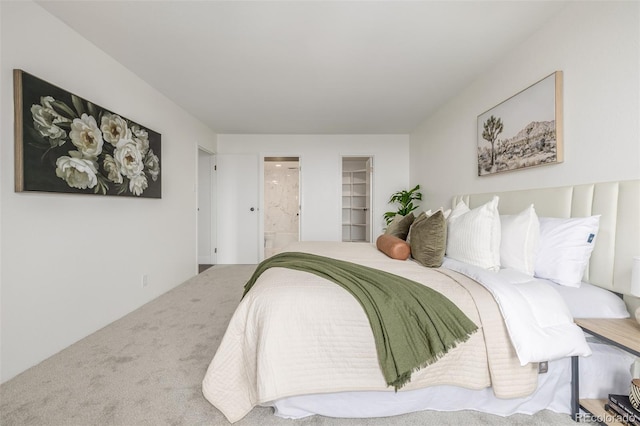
(618, 239)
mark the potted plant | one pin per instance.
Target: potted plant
(405, 199)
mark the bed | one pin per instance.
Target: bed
(302, 344)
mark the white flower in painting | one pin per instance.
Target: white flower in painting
(129, 159)
(152, 163)
(141, 138)
(112, 169)
(86, 136)
(138, 184)
(78, 172)
(115, 129)
(46, 119)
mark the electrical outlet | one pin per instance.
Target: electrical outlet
(145, 280)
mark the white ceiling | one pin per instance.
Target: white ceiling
(324, 67)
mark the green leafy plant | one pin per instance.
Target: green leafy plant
(405, 199)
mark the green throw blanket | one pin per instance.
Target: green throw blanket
(413, 325)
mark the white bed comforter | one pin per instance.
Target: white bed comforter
(540, 324)
(295, 333)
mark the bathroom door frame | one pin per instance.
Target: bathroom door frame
(206, 161)
(262, 209)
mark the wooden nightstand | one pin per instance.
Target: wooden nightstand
(622, 333)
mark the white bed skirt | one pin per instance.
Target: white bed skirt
(606, 371)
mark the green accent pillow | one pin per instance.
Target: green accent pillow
(399, 226)
(422, 216)
(428, 239)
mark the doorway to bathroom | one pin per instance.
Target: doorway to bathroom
(281, 203)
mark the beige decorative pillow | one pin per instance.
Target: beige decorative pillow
(399, 226)
(429, 239)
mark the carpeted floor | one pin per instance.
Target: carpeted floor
(147, 368)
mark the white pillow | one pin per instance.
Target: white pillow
(519, 240)
(590, 301)
(445, 213)
(473, 236)
(565, 248)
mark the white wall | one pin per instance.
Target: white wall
(321, 174)
(71, 264)
(597, 46)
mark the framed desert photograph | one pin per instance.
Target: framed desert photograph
(523, 131)
(64, 143)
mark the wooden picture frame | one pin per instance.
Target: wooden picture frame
(64, 143)
(524, 130)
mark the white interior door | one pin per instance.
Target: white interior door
(238, 189)
(205, 210)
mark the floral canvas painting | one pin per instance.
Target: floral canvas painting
(65, 143)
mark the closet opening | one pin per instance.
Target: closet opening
(356, 198)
